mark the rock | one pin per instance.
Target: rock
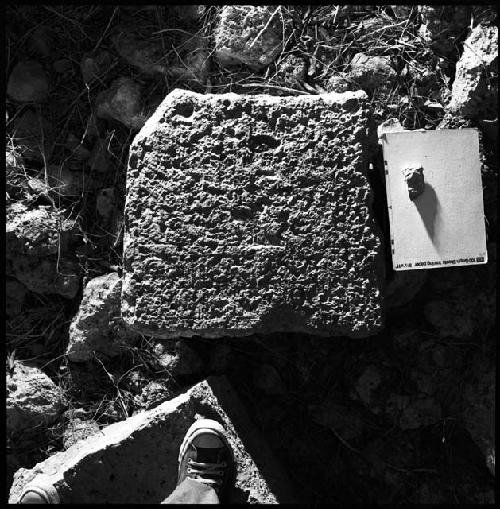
(442, 25)
(184, 360)
(33, 399)
(371, 72)
(15, 293)
(122, 102)
(267, 379)
(153, 394)
(129, 450)
(414, 179)
(98, 327)
(36, 243)
(95, 67)
(479, 408)
(404, 286)
(338, 83)
(221, 271)
(146, 55)
(291, 71)
(475, 89)
(249, 34)
(28, 83)
(78, 429)
(13, 161)
(37, 232)
(33, 136)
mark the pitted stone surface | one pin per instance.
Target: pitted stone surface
(250, 214)
(135, 461)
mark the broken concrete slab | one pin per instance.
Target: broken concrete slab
(252, 214)
(135, 461)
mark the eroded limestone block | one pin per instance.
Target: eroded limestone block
(135, 461)
(250, 214)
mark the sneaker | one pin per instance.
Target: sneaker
(39, 491)
(206, 456)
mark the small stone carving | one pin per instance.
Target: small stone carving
(414, 177)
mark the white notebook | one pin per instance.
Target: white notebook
(444, 226)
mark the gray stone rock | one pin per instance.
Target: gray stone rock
(251, 214)
(371, 72)
(28, 83)
(153, 394)
(142, 452)
(415, 181)
(98, 327)
(179, 359)
(34, 240)
(475, 89)
(122, 101)
(36, 232)
(339, 83)
(249, 34)
(33, 399)
(291, 71)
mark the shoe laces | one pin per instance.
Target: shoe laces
(209, 473)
